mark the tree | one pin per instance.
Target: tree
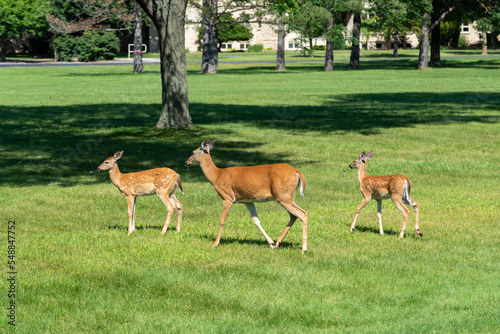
(355, 49)
(310, 21)
(335, 28)
(281, 9)
(280, 52)
(423, 55)
(392, 19)
(218, 26)
(489, 23)
(230, 29)
(355, 8)
(210, 54)
(18, 17)
(138, 67)
(168, 17)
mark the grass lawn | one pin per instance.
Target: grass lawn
(78, 272)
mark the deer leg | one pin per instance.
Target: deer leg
(415, 206)
(365, 201)
(225, 211)
(170, 208)
(253, 213)
(131, 213)
(406, 213)
(295, 210)
(178, 207)
(293, 218)
(379, 214)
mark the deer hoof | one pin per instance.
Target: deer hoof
(420, 234)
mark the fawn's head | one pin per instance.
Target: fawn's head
(363, 157)
(110, 162)
(200, 152)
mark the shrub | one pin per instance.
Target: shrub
(98, 45)
(255, 48)
(91, 46)
(64, 46)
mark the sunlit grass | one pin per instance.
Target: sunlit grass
(79, 272)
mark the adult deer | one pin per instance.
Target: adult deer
(248, 185)
(395, 187)
(162, 181)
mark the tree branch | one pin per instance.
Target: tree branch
(442, 16)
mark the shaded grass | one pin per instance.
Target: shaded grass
(79, 272)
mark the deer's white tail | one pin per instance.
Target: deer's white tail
(406, 193)
(179, 184)
(302, 183)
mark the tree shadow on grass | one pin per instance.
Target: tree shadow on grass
(64, 145)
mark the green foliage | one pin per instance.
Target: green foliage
(65, 45)
(18, 17)
(462, 42)
(98, 45)
(310, 21)
(230, 29)
(450, 33)
(91, 46)
(255, 48)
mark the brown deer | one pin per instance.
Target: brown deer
(248, 185)
(160, 181)
(395, 187)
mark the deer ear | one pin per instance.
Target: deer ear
(369, 155)
(205, 142)
(211, 144)
(118, 155)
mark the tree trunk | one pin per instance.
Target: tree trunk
(138, 68)
(423, 57)
(484, 41)
(396, 44)
(436, 45)
(493, 40)
(329, 56)
(210, 54)
(280, 54)
(355, 48)
(2, 49)
(168, 17)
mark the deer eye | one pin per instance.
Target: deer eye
(107, 162)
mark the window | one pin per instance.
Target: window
(465, 28)
(223, 46)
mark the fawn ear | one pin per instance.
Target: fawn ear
(369, 155)
(118, 155)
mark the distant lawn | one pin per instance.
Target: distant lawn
(78, 272)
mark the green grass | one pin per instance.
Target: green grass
(79, 272)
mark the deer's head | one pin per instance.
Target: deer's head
(363, 157)
(110, 162)
(198, 154)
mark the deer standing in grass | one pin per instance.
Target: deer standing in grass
(248, 185)
(160, 181)
(395, 187)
